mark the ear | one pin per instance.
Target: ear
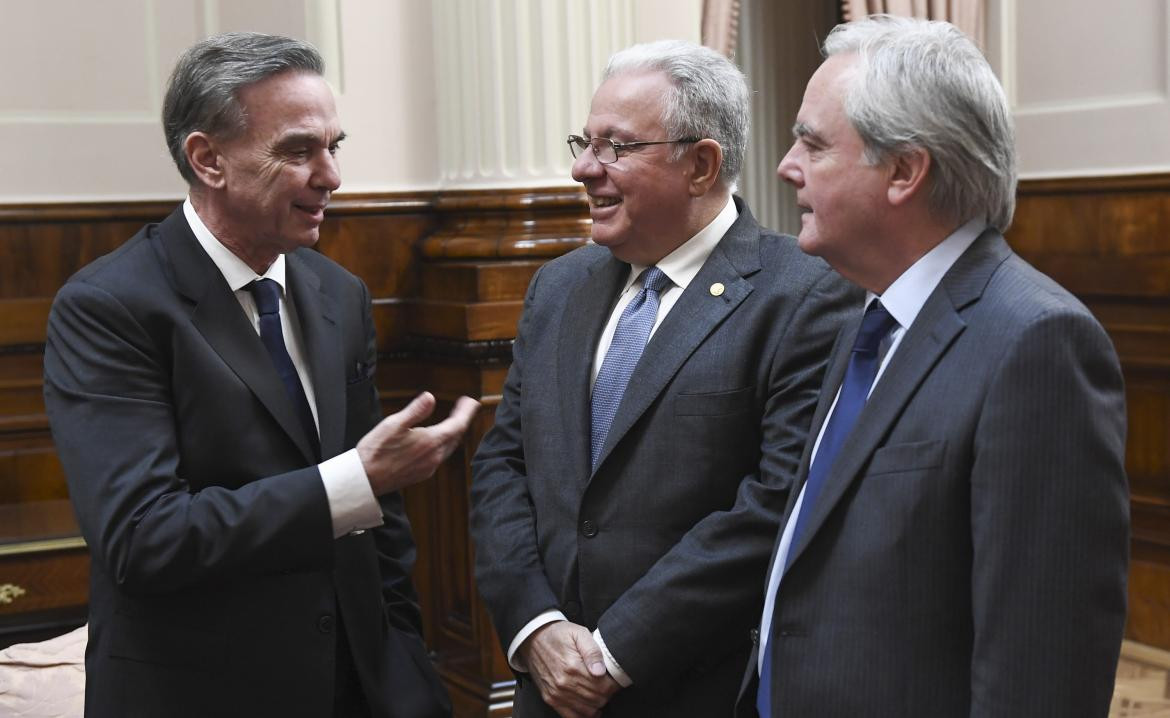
(205, 159)
(908, 173)
(707, 160)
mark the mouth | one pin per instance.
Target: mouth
(315, 212)
(596, 202)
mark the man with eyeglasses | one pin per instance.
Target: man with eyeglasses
(625, 501)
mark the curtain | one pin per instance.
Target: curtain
(967, 15)
(720, 25)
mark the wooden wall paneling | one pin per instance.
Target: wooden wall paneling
(1108, 241)
(474, 272)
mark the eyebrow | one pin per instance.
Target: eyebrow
(803, 131)
(312, 138)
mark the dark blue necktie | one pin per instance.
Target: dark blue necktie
(859, 376)
(629, 339)
(266, 293)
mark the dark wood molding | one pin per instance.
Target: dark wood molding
(1153, 182)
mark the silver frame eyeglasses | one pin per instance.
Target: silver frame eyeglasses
(607, 151)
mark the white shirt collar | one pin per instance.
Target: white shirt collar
(237, 273)
(681, 265)
(905, 297)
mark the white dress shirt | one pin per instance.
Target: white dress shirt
(352, 503)
(903, 300)
(680, 266)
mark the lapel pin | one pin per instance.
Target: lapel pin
(717, 289)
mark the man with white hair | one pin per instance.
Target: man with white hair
(957, 542)
(624, 504)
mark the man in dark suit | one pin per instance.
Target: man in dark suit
(624, 503)
(207, 384)
(957, 543)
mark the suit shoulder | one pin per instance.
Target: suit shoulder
(777, 249)
(580, 257)
(787, 267)
(123, 273)
(1022, 294)
(113, 267)
(331, 273)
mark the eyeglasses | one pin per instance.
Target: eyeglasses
(608, 151)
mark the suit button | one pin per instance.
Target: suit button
(588, 528)
(325, 624)
(755, 636)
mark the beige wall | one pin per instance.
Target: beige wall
(1089, 83)
(79, 106)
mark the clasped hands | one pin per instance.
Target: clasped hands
(568, 668)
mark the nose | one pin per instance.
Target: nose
(587, 166)
(327, 173)
(789, 169)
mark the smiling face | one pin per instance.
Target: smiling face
(278, 175)
(842, 198)
(640, 204)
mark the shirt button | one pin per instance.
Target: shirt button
(588, 528)
(325, 624)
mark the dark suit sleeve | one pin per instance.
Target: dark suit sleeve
(697, 603)
(1050, 525)
(108, 395)
(508, 568)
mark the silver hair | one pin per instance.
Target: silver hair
(709, 98)
(923, 84)
(202, 94)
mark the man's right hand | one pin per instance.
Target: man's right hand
(397, 452)
(567, 666)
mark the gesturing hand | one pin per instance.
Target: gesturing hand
(567, 666)
(397, 452)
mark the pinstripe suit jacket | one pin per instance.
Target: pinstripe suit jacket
(967, 556)
(665, 544)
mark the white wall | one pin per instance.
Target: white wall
(82, 92)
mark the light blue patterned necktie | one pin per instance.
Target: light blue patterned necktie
(629, 339)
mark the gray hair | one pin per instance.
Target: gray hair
(709, 97)
(925, 85)
(202, 92)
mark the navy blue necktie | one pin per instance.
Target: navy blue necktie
(266, 293)
(629, 339)
(859, 376)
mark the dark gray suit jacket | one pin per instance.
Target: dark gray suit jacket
(968, 553)
(665, 546)
(216, 581)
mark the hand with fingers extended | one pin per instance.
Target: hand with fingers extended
(566, 664)
(397, 452)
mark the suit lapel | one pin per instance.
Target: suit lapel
(586, 311)
(317, 313)
(834, 375)
(934, 330)
(692, 319)
(218, 317)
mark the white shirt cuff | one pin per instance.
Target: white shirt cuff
(543, 619)
(352, 503)
(611, 663)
